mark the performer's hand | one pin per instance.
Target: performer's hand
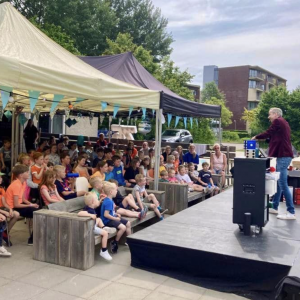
(253, 138)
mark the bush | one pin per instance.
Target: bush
(230, 136)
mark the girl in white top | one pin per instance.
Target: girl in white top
(218, 162)
(184, 178)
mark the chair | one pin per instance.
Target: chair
(82, 184)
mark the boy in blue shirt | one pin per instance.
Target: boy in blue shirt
(205, 179)
(91, 202)
(118, 171)
(109, 174)
(110, 218)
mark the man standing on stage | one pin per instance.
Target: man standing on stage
(280, 147)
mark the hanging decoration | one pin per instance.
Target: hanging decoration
(69, 122)
(91, 117)
(102, 117)
(120, 121)
(128, 120)
(144, 127)
(191, 122)
(110, 117)
(55, 101)
(79, 116)
(163, 120)
(52, 114)
(70, 105)
(37, 114)
(103, 105)
(153, 112)
(116, 109)
(144, 113)
(184, 121)
(33, 98)
(74, 121)
(177, 120)
(1, 112)
(67, 112)
(8, 115)
(130, 110)
(5, 93)
(169, 119)
(22, 119)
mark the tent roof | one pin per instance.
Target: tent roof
(125, 67)
(29, 60)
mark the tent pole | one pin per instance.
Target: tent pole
(109, 130)
(220, 133)
(17, 137)
(158, 129)
(12, 139)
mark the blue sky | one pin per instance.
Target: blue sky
(235, 32)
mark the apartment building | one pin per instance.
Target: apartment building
(243, 87)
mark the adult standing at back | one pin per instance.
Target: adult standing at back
(280, 147)
(218, 163)
(30, 135)
(191, 156)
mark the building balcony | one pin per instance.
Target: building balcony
(272, 80)
(256, 75)
(260, 87)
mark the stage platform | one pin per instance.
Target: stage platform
(202, 246)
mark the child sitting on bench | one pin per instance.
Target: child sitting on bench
(91, 202)
(142, 198)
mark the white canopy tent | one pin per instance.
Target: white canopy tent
(29, 60)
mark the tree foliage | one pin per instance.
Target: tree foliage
(211, 90)
(226, 113)
(145, 24)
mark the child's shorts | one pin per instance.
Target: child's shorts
(116, 224)
(146, 202)
(122, 206)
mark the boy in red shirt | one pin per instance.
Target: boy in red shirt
(15, 195)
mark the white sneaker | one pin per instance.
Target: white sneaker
(105, 255)
(287, 216)
(4, 252)
(273, 211)
(110, 229)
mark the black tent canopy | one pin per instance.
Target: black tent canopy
(125, 67)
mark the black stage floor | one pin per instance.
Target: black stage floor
(201, 245)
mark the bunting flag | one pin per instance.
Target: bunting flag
(144, 113)
(191, 122)
(22, 119)
(102, 117)
(153, 112)
(169, 119)
(130, 110)
(196, 120)
(177, 120)
(5, 92)
(33, 98)
(8, 115)
(37, 114)
(103, 105)
(116, 109)
(55, 101)
(184, 120)
(78, 100)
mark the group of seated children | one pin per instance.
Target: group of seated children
(107, 205)
(197, 181)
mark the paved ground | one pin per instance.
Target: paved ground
(23, 278)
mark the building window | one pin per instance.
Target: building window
(252, 84)
(252, 105)
(252, 73)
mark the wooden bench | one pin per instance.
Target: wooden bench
(63, 238)
(177, 197)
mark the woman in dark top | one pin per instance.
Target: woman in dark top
(30, 135)
(132, 171)
(127, 158)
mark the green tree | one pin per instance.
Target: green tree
(293, 116)
(226, 113)
(145, 24)
(211, 90)
(58, 35)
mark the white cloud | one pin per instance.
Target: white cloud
(233, 32)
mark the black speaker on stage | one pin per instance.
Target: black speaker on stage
(249, 191)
